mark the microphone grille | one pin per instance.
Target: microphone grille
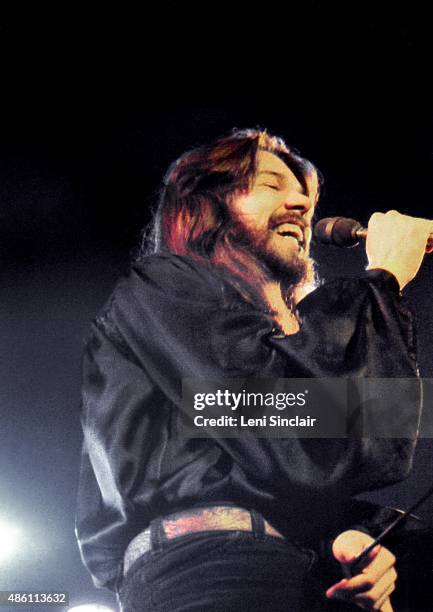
(339, 231)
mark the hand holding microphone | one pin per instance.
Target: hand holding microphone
(397, 243)
(394, 242)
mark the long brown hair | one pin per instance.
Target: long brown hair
(193, 214)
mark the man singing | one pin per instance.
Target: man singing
(222, 287)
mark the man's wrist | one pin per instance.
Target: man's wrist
(389, 270)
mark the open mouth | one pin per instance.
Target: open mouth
(289, 230)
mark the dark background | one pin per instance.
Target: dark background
(92, 113)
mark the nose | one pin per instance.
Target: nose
(296, 201)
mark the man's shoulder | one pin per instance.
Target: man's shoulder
(160, 285)
(173, 276)
(163, 284)
(171, 263)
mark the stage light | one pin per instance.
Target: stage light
(90, 608)
(9, 537)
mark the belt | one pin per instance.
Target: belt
(211, 518)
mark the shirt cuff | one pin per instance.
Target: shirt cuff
(383, 278)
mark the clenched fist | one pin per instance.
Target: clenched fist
(397, 243)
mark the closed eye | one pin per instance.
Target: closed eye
(272, 186)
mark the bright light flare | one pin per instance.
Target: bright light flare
(9, 537)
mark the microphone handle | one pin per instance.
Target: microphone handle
(361, 234)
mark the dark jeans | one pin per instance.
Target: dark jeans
(217, 571)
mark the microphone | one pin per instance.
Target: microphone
(339, 231)
(344, 232)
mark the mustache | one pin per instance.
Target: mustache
(290, 217)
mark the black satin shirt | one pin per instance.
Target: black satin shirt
(172, 318)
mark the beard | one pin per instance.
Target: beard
(283, 259)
